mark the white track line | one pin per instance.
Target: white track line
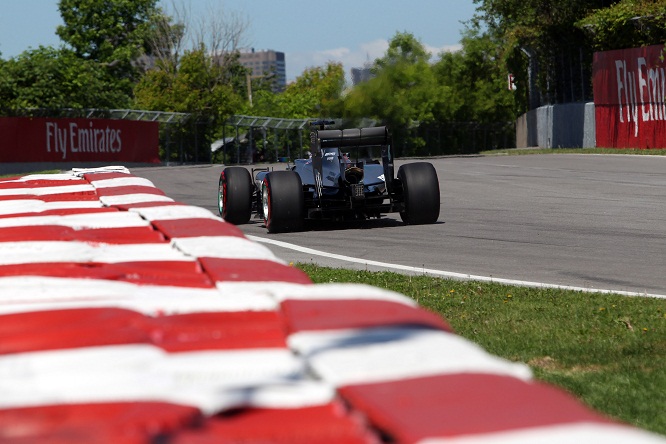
(446, 274)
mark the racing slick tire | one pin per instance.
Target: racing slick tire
(282, 201)
(420, 187)
(234, 198)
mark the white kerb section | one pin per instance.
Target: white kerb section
(70, 251)
(173, 212)
(122, 182)
(47, 191)
(21, 294)
(119, 219)
(210, 380)
(126, 199)
(226, 247)
(37, 206)
(79, 172)
(358, 356)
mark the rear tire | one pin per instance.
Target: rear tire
(420, 189)
(234, 198)
(283, 202)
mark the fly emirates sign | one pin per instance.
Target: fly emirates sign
(629, 98)
(73, 139)
(78, 140)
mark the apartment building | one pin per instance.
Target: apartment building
(266, 63)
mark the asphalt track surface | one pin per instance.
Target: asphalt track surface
(583, 221)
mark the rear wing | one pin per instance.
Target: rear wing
(348, 138)
(353, 137)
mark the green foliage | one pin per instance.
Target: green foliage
(408, 91)
(106, 31)
(474, 82)
(112, 33)
(403, 48)
(559, 38)
(199, 85)
(547, 31)
(95, 71)
(317, 92)
(322, 86)
(51, 78)
(533, 22)
(403, 92)
(626, 24)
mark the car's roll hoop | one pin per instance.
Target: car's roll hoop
(351, 137)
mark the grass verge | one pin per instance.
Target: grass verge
(607, 350)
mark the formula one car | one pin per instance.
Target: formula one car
(332, 184)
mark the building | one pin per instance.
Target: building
(360, 75)
(266, 63)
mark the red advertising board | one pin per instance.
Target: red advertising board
(26, 139)
(629, 90)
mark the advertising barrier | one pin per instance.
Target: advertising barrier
(629, 89)
(25, 139)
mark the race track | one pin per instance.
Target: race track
(590, 221)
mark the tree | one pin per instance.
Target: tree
(112, 32)
(56, 78)
(207, 79)
(403, 92)
(195, 68)
(540, 36)
(317, 92)
(200, 86)
(324, 88)
(474, 82)
(165, 41)
(220, 32)
(626, 24)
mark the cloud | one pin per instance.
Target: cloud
(350, 58)
(435, 51)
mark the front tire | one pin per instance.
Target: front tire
(234, 199)
(282, 201)
(420, 190)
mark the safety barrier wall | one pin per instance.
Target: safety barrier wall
(570, 125)
(46, 140)
(629, 93)
(629, 109)
(128, 317)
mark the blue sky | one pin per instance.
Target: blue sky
(310, 33)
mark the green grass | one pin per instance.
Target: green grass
(526, 151)
(607, 350)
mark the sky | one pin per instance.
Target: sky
(310, 33)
